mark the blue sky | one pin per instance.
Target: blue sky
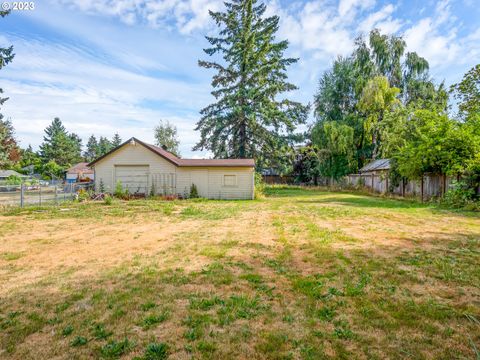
(104, 66)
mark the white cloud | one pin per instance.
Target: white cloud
(382, 20)
(104, 76)
(188, 15)
(346, 7)
(49, 80)
(433, 38)
(314, 27)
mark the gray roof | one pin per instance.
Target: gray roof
(7, 173)
(375, 165)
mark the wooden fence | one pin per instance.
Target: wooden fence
(429, 186)
(278, 179)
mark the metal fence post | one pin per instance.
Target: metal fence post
(22, 194)
(56, 199)
(40, 195)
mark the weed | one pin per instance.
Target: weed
(156, 351)
(155, 319)
(115, 349)
(310, 286)
(100, 332)
(67, 330)
(79, 341)
(12, 256)
(205, 303)
(342, 331)
(206, 347)
(147, 306)
(239, 307)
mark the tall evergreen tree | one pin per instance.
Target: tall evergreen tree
(116, 141)
(91, 153)
(76, 142)
(251, 116)
(60, 146)
(6, 56)
(9, 150)
(104, 146)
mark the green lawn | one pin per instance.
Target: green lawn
(301, 274)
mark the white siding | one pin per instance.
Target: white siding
(184, 181)
(242, 190)
(215, 182)
(130, 155)
(209, 180)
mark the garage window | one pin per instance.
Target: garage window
(229, 180)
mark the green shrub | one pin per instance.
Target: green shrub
(83, 195)
(108, 200)
(118, 189)
(13, 180)
(101, 187)
(194, 192)
(120, 192)
(460, 195)
(259, 186)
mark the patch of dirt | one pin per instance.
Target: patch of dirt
(87, 247)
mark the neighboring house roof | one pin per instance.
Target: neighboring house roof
(376, 165)
(7, 173)
(80, 168)
(183, 162)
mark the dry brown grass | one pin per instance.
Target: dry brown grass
(300, 274)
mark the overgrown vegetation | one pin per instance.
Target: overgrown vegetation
(193, 192)
(301, 273)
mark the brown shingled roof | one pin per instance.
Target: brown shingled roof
(185, 162)
(80, 168)
(217, 162)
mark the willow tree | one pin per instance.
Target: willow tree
(378, 97)
(347, 93)
(251, 117)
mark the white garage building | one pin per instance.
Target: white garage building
(143, 168)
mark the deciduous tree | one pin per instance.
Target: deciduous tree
(9, 150)
(166, 136)
(377, 99)
(467, 92)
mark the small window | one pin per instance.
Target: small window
(230, 180)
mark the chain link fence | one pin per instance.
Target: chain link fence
(42, 194)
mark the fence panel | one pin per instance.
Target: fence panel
(44, 194)
(432, 185)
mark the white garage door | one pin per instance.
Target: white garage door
(133, 177)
